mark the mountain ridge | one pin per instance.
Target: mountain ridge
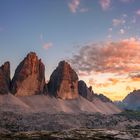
(62, 92)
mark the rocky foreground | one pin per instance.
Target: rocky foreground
(74, 134)
(42, 126)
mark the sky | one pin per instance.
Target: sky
(99, 38)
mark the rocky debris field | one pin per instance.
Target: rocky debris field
(74, 134)
(43, 126)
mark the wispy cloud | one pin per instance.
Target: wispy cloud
(120, 58)
(73, 5)
(105, 4)
(83, 10)
(118, 22)
(109, 82)
(127, 1)
(138, 12)
(130, 88)
(134, 20)
(122, 31)
(45, 45)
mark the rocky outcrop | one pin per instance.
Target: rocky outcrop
(29, 78)
(103, 98)
(5, 78)
(84, 91)
(88, 93)
(64, 82)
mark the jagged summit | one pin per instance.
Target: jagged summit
(64, 82)
(29, 77)
(5, 78)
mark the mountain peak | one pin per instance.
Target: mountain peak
(64, 82)
(131, 101)
(29, 78)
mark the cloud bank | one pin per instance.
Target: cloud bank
(119, 58)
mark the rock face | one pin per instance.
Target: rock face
(29, 78)
(64, 82)
(84, 91)
(5, 78)
(132, 100)
(88, 93)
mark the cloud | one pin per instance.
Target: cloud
(118, 22)
(83, 10)
(134, 20)
(73, 5)
(109, 82)
(47, 45)
(126, 1)
(82, 74)
(91, 81)
(105, 4)
(122, 31)
(130, 88)
(113, 81)
(119, 58)
(110, 29)
(138, 12)
(135, 77)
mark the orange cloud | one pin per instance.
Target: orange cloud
(129, 88)
(82, 74)
(120, 57)
(113, 81)
(135, 78)
(109, 82)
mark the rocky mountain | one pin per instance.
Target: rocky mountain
(84, 91)
(5, 78)
(103, 98)
(88, 93)
(63, 92)
(29, 77)
(64, 82)
(132, 100)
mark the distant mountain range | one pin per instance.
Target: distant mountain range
(131, 101)
(28, 91)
